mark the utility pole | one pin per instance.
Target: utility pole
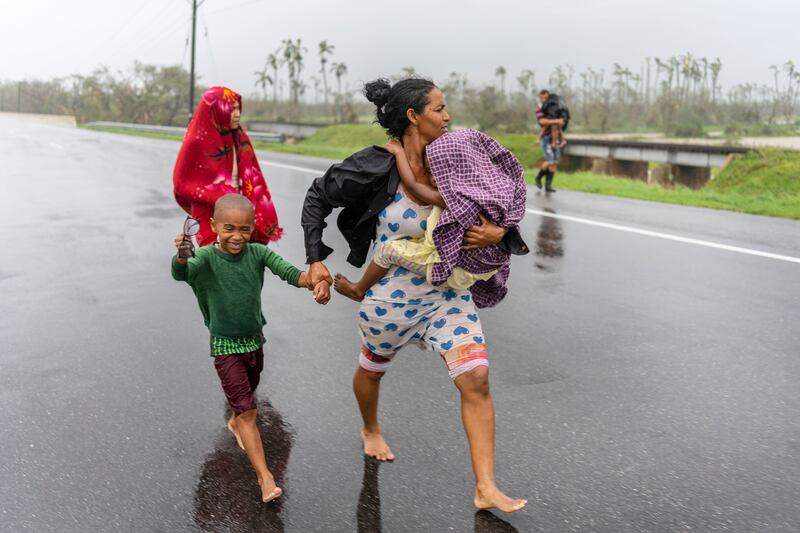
(195, 5)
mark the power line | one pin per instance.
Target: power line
(150, 31)
(186, 45)
(233, 7)
(126, 23)
(167, 32)
(191, 73)
(210, 50)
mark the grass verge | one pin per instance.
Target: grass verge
(762, 203)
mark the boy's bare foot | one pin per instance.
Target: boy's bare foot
(375, 446)
(492, 498)
(345, 287)
(269, 490)
(235, 431)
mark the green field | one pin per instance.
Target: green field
(763, 182)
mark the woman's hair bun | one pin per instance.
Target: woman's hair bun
(378, 91)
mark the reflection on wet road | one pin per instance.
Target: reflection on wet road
(486, 522)
(549, 242)
(368, 515)
(228, 497)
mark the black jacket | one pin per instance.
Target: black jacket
(363, 184)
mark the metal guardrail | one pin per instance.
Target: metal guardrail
(176, 130)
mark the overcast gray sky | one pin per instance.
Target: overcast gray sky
(43, 39)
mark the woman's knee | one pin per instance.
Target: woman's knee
(362, 372)
(475, 381)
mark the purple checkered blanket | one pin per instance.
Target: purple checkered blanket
(475, 174)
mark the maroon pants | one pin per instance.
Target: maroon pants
(239, 374)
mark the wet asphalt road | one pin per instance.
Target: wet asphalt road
(640, 384)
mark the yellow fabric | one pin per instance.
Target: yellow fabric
(423, 252)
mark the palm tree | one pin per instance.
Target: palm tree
(715, 67)
(775, 73)
(293, 58)
(274, 62)
(316, 82)
(263, 79)
(501, 72)
(526, 80)
(325, 50)
(339, 70)
(791, 76)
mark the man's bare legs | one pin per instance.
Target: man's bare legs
(477, 414)
(366, 386)
(251, 439)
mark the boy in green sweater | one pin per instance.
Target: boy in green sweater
(227, 279)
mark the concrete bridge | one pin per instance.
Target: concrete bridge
(687, 164)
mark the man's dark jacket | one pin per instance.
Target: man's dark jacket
(363, 184)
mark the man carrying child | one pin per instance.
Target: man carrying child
(551, 140)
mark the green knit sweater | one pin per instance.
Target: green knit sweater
(228, 286)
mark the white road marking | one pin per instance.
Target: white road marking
(56, 145)
(607, 225)
(292, 167)
(667, 236)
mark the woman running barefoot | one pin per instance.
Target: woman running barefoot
(403, 308)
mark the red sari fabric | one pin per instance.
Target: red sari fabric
(204, 169)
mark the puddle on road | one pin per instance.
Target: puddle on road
(534, 376)
(486, 522)
(368, 513)
(162, 213)
(162, 206)
(549, 243)
(156, 197)
(227, 497)
(8, 275)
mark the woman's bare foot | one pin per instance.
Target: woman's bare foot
(375, 446)
(345, 287)
(492, 498)
(269, 490)
(235, 431)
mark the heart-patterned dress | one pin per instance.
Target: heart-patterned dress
(404, 308)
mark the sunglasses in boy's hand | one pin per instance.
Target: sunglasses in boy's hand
(191, 226)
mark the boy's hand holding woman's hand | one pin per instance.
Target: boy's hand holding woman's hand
(322, 292)
(321, 288)
(320, 281)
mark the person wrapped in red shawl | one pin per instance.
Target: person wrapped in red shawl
(217, 158)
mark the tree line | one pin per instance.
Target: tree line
(679, 95)
(146, 94)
